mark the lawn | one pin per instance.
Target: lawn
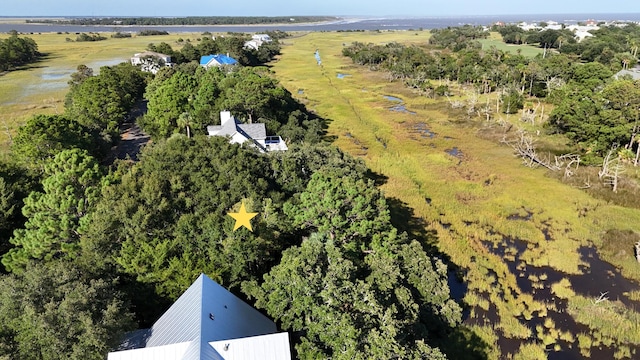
(495, 39)
(525, 50)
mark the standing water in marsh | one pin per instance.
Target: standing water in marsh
(557, 328)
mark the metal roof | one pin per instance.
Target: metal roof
(217, 59)
(206, 312)
(230, 126)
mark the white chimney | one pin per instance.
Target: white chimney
(224, 116)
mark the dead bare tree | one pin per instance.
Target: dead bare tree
(472, 102)
(603, 297)
(529, 115)
(455, 104)
(570, 163)
(612, 167)
(525, 148)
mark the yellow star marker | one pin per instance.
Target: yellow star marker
(243, 218)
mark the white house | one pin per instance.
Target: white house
(207, 323)
(151, 61)
(241, 133)
(257, 40)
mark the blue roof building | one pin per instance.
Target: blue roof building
(217, 60)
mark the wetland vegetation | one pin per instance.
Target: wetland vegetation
(514, 233)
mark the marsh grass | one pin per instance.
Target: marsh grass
(610, 324)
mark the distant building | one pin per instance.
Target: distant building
(239, 133)
(151, 61)
(207, 323)
(257, 40)
(217, 60)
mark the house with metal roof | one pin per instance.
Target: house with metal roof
(207, 322)
(239, 133)
(217, 60)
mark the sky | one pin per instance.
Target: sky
(308, 7)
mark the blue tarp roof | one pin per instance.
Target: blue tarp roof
(219, 58)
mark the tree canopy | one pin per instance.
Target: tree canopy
(16, 51)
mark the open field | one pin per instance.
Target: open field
(495, 39)
(511, 229)
(525, 50)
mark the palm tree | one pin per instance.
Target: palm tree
(184, 120)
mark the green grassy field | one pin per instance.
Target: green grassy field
(495, 39)
(525, 50)
(478, 197)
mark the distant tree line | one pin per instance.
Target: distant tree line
(17, 51)
(615, 45)
(192, 20)
(458, 38)
(90, 37)
(152, 33)
(546, 38)
(611, 45)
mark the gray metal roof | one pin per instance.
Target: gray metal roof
(206, 312)
(253, 131)
(232, 126)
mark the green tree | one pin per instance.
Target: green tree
(207, 103)
(15, 184)
(71, 188)
(165, 221)
(351, 211)
(167, 102)
(255, 95)
(511, 101)
(44, 136)
(55, 311)
(98, 107)
(337, 312)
